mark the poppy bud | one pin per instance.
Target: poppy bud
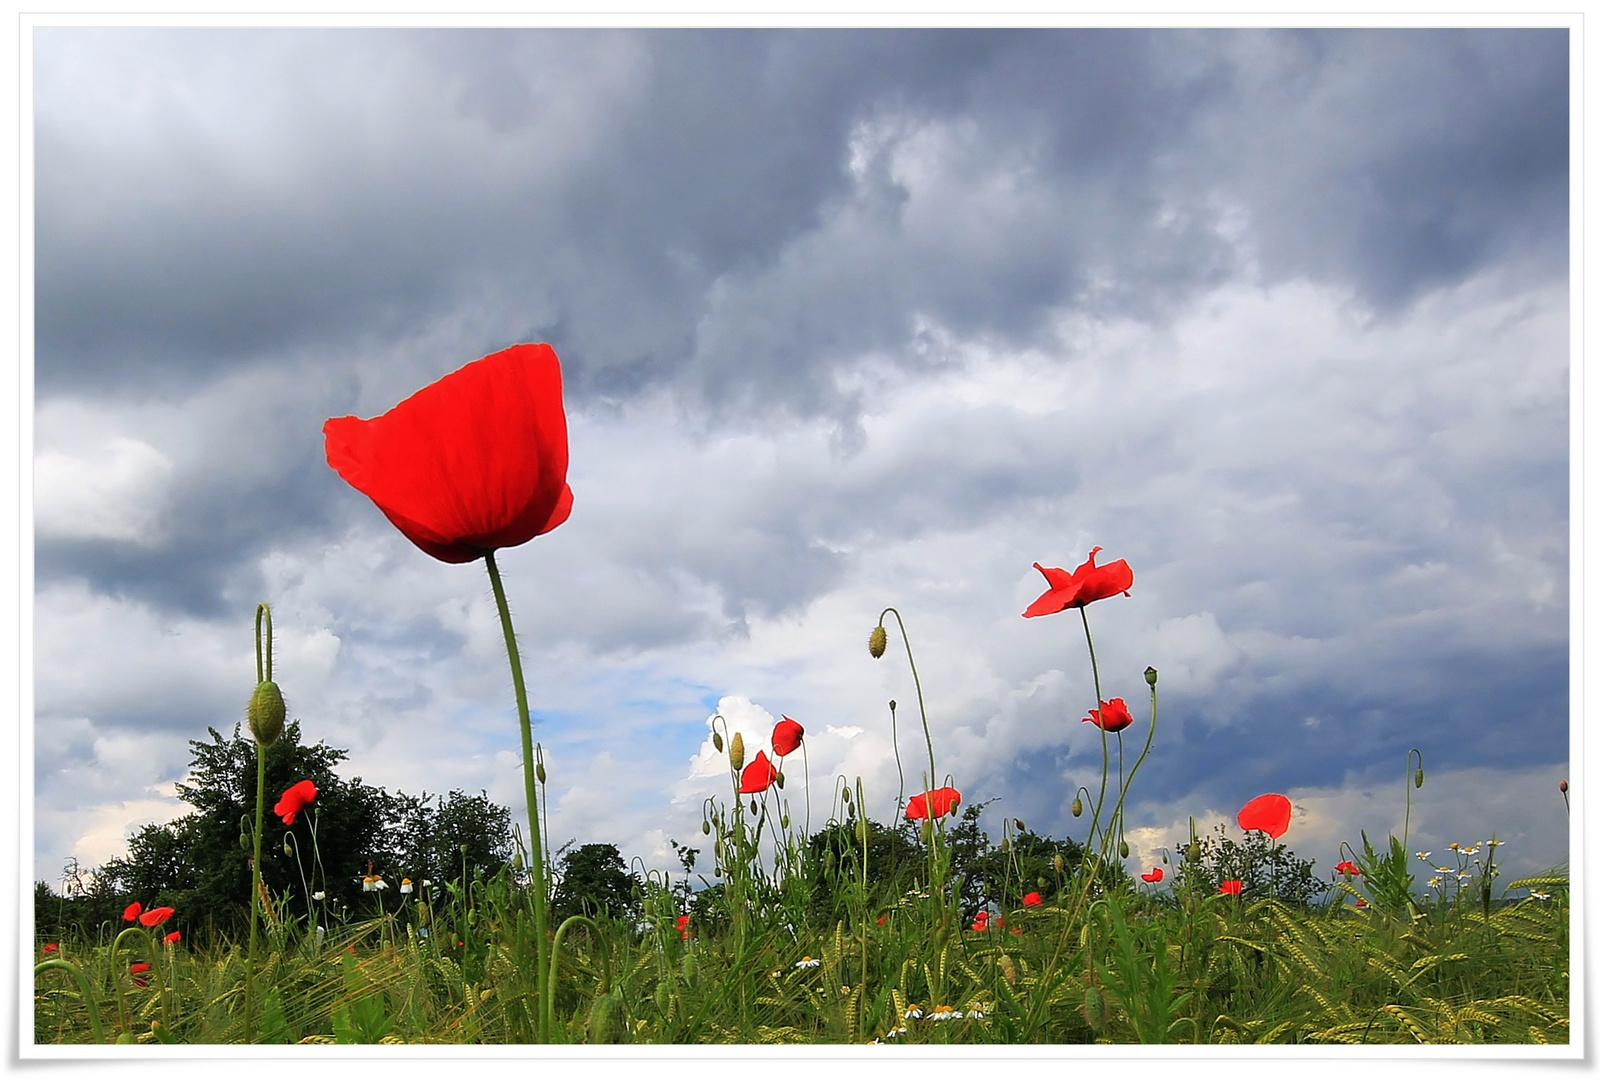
(1075, 807)
(830, 861)
(540, 771)
(1564, 787)
(877, 642)
(518, 860)
(1125, 850)
(266, 713)
(1058, 863)
(1421, 776)
(662, 996)
(245, 842)
(706, 828)
(785, 821)
(1005, 844)
(892, 705)
(1095, 1008)
(863, 829)
(752, 804)
(738, 751)
(718, 742)
(603, 1023)
(1018, 824)
(1152, 676)
(688, 967)
(462, 849)
(780, 778)
(1042, 882)
(288, 850)
(1006, 965)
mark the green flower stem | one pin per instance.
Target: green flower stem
(537, 856)
(1097, 693)
(96, 1031)
(549, 1010)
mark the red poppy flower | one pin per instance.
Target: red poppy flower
(1154, 876)
(980, 921)
(786, 737)
(942, 801)
(1031, 899)
(683, 924)
(1232, 887)
(758, 775)
(50, 947)
(1270, 814)
(156, 916)
(1014, 930)
(172, 939)
(296, 799)
(1347, 869)
(131, 912)
(136, 970)
(1088, 583)
(474, 461)
(1359, 902)
(1112, 717)
(881, 919)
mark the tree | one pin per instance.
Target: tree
(592, 880)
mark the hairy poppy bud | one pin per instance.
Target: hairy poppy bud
(1042, 882)
(706, 828)
(1058, 863)
(1005, 844)
(1093, 1005)
(830, 861)
(245, 842)
(1018, 824)
(688, 967)
(662, 996)
(603, 1024)
(518, 860)
(266, 713)
(288, 850)
(1075, 807)
(738, 751)
(752, 805)
(718, 742)
(1421, 776)
(785, 821)
(540, 771)
(1125, 850)
(863, 829)
(780, 778)
(877, 642)
(1152, 676)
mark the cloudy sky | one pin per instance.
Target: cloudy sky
(847, 320)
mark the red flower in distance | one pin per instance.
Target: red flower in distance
(1359, 902)
(1347, 869)
(1270, 814)
(980, 921)
(880, 920)
(786, 737)
(136, 970)
(942, 801)
(683, 924)
(1088, 583)
(1112, 716)
(172, 939)
(1154, 876)
(296, 799)
(156, 916)
(50, 947)
(131, 912)
(474, 461)
(1232, 887)
(758, 775)
(1031, 899)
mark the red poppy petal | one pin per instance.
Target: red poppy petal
(131, 912)
(1270, 814)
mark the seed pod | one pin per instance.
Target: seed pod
(1421, 776)
(877, 642)
(738, 751)
(266, 713)
(706, 828)
(1125, 850)
(718, 742)
(1152, 676)
(603, 1023)
(1095, 1008)
(1075, 807)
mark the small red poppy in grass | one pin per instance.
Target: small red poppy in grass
(881, 919)
(938, 803)
(156, 916)
(1015, 930)
(1233, 887)
(1031, 899)
(173, 938)
(1088, 583)
(474, 461)
(758, 775)
(980, 921)
(1359, 902)
(1270, 814)
(1347, 869)
(49, 948)
(1112, 716)
(131, 912)
(1154, 876)
(137, 970)
(786, 737)
(294, 800)
(683, 924)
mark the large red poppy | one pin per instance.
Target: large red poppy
(1113, 716)
(1031, 899)
(938, 803)
(758, 775)
(156, 916)
(296, 799)
(1270, 814)
(131, 912)
(786, 737)
(1154, 876)
(1347, 868)
(1234, 887)
(475, 461)
(1088, 583)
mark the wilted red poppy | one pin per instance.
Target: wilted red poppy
(172, 939)
(1233, 887)
(1031, 899)
(758, 775)
(50, 947)
(1088, 583)
(1153, 876)
(1112, 716)
(156, 916)
(1270, 814)
(296, 799)
(786, 737)
(1347, 869)
(942, 801)
(131, 912)
(683, 924)
(475, 461)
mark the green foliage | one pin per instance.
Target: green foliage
(592, 880)
(1387, 877)
(1268, 870)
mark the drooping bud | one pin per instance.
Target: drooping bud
(738, 751)
(663, 996)
(1075, 807)
(266, 713)
(288, 850)
(1421, 776)
(245, 843)
(1564, 787)
(718, 742)
(780, 778)
(877, 642)
(540, 771)
(1094, 1008)
(1125, 850)
(706, 828)
(1152, 676)
(785, 821)
(1058, 863)
(830, 861)
(603, 1024)
(1005, 844)
(1018, 824)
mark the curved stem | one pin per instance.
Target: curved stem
(537, 856)
(1409, 779)
(919, 695)
(549, 1010)
(96, 1031)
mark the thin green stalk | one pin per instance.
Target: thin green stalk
(96, 1031)
(1097, 693)
(537, 858)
